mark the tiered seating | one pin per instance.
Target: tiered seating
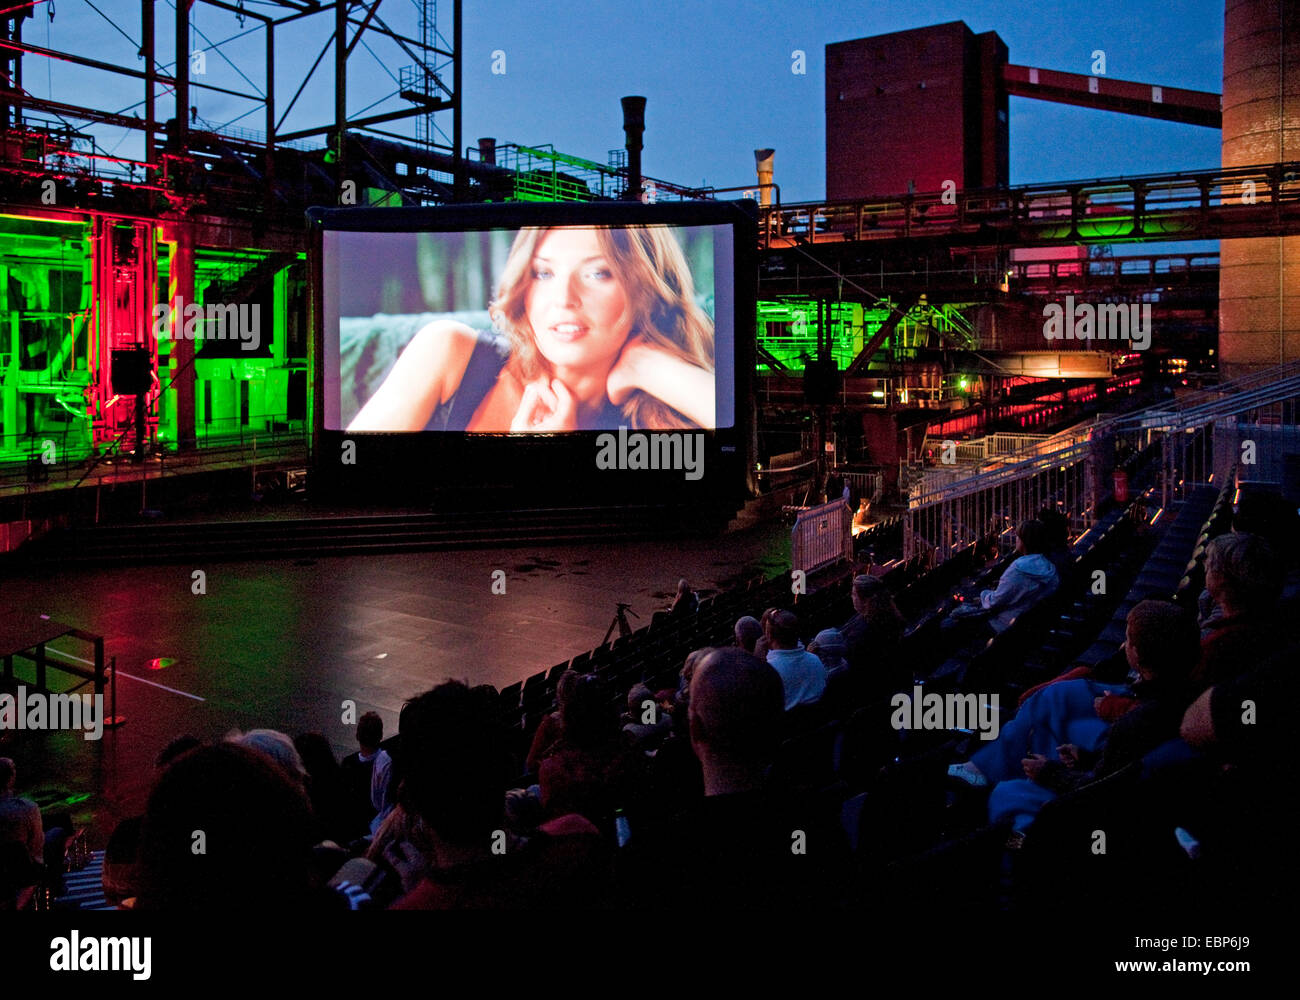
(1137, 807)
(909, 826)
(654, 653)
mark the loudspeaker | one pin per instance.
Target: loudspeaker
(296, 402)
(821, 381)
(132, 371)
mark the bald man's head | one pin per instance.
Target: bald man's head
(737, 706)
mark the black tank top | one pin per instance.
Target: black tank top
(490, 354)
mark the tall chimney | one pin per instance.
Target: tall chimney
(763, 160)
(633, 126)
(487, 151)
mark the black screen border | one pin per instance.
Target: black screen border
(397, 465)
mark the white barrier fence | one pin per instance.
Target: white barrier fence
(821, 536)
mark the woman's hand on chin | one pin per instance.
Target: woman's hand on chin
(628, 373)
(547, 405)
(687, 388)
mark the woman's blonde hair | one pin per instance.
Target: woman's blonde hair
(654, 274)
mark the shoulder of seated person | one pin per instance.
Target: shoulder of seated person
(446, 335)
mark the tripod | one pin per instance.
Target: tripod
(620, 622)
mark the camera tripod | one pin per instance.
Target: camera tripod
(620, 622)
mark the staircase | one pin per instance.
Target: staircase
(312, 537)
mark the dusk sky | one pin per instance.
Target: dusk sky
(719, 83)
(717, 76)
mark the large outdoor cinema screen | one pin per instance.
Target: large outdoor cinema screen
(529, 319)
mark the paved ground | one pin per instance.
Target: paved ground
(283, 644)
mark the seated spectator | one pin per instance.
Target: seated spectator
(1057, 549)
(1162, 648)
(748, 632)
(385, 780)
(673, 779)
(20, 818)
(1110, 669)
(870, 638)
(761, 647)
(456, 760)
(803, 677)
(688, 668)
(324, 787)
(226, 831)
(403, 835)
(356, 772)
(120, 875)
(1246, 719)
(1272, 517)
(687, 602)
(1029, 579)
(548, 738)
(586, 774)
(828, 646)
(1245, 820)
(644, 721)
(742, 846)
(1244, 578)
(278, 747)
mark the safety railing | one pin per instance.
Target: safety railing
(1251, 424)
(821, 536)
(1153, 206)
(28, 463)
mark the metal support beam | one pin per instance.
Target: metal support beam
(270, 118)
(890, 324)
(457, 138)
(180, 284)
(1191, 107)
(150, 80)
(180, 130)
(340, 89)
(360, 123)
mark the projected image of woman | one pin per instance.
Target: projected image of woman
(601, 328)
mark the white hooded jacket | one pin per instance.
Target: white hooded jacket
(1026, 582)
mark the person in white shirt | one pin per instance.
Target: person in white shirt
(803, 677)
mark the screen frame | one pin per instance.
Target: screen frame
(728, 451)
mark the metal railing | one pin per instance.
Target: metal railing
(223, 443)
(864, 485)
(1251, 423)
(821, 536)
(1246, 200)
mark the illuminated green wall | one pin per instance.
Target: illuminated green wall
(45, 321)
(241, 393)
(50, 337)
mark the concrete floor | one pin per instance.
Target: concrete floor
(282, 645)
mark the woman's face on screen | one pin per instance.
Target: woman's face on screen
(576, 304)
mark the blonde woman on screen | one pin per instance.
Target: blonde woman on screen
(601, 329)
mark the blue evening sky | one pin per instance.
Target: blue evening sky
(717, 75)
